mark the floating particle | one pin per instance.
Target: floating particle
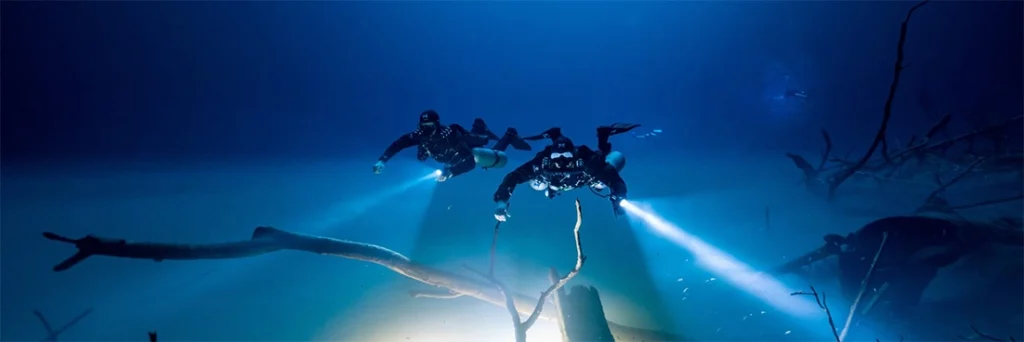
(762, 312)
(789, 332)
(686, 289)
(679, 280)
(710, 280)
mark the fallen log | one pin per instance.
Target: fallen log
(266, 240)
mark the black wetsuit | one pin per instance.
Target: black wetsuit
(590, 168)
(451, 145)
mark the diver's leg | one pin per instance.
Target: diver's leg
(459, 167)
(604, 132)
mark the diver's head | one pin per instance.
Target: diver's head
(563, 153)
(429, 121)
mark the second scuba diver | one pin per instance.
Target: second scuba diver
(563, 166)
(458, 149)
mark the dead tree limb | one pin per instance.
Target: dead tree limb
(887, 112)
(522, 326)
(863, 287)
(988, 337)
(824, 306)
(53, 334)
(266, 240)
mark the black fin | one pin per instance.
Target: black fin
(617, 128)
(512, 137)
(552, 133)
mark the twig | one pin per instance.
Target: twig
(824, 306)
(51, 334)
(887, 113)
(828, 149)
(522, 326)
(863, 287)
(945, 185)
(988, 337)
(988, 202)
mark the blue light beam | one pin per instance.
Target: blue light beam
(723, 265)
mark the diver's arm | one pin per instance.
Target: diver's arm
(403, 142)
(520, 175)
(606, 174)
(611, 178)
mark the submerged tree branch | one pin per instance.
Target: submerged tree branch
(522, 326)
(266, 240)
(887, 112)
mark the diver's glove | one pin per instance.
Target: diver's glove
(617, 204)
(378, 167)
(501, 211)
(445, 175)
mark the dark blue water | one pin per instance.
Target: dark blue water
(198, 121)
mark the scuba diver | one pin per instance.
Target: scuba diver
(458, 149)
(563, 166)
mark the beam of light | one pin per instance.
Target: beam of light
(348, 210)
(723, 265)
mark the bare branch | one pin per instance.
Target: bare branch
(934, 195)
(266, 240)
(53, 334)
(988, 337)
(863, 286)
(828, 149)
(522, 326)
(824, 306)
(887, 112)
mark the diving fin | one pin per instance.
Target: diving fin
(616, 128)
(517, 142)
(480, 128)
(552, 133)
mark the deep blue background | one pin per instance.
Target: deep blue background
(158, 80)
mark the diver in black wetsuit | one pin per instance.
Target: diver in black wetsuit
(563, 166)
(460, 150)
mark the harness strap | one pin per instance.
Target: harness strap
(496, 159)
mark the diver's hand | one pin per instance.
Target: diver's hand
(617, 205)
(445, 175)
(378, 167)
(501, 211)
